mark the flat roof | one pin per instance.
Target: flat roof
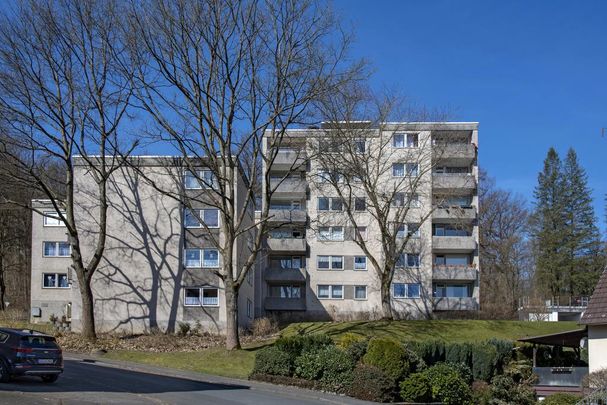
(567, 339)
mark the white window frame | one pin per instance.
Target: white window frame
(405, 231)
(360, 286)
(200, 174)
(332, 235)
(404, 169)
(331, 294)
(201, 261)
(201, 291)
(56, 249)
(364, 200)
(198, 214)
(249, 309)
(56, 286)
(48, 215)
(356, 142)
(362, 235)
(330, 263)
(330, 200)
(406, 287)
(361, 269)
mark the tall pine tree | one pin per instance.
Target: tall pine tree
(548, 227)
(582, 239)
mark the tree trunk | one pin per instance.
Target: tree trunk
(2, 284)
(232, 338)
(386, 304)
(88, 312)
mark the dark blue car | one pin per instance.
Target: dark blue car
(28, 352)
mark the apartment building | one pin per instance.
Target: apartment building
(160, 259)
(314, 269)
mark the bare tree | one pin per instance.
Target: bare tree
(215, 76)
(383, 185)
(64, 91)
(505, 251)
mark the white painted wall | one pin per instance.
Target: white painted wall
(597, 347)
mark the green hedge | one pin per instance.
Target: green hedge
(484, 361)
(389, 356)
(371, 384)
(416, 388)
(562, 398)
(329, 365)
(296, 345)
(439, 383)
(273, 361)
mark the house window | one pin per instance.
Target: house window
(360, 262)
(410, 260)
(195, 297)
(405, 140)
(199, 180)
(330, 262)
(51, 218)
(55, 280)
(249, 309)
(452, 290)
(398, 170)
(360, 204)
(287, 262)
(359, 146)
(412, 169)
(209, 216)
(285, 291)
(360, 292)
(331, 233)
(324, 176)
(56, 249)
(192, 297)
(210, 258)
(361, 233)
(330, 204)
(404, 199)
(330, 291)
(406, 290)
(210, 297)
(450, 230)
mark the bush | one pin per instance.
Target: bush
(463, 371)
(183, 328)
(371, 384)
(447, 386)
(271, 360)
(388, 356)
(264, 327)
(459, 353)
(416, 362)
(503, 350)
(329, 365)
(357, 350)
(481, 393)
(431, 351)
(348, 339)
(561, 398)
(484, 357)
(597, 379)
(504, 390)
(296, 345)
(416, 388)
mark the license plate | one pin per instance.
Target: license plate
(46, 361)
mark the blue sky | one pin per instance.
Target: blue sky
(533, 73)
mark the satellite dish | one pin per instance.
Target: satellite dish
(583, 342)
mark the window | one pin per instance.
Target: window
(56, 249)
(406, 290)
(210, 297)
(360, 292)
(452, 290)
(360, 204)
(209, 216)
(210, 258)
(330, 204)
(331, 233)
(199, 180)
(411, 230)
(286, 233)
(195, 297)
(405, 140)
(192, 297)
(361, 233)
(191, 181)
(51, 218)
(55, 280)
(324, 176)
(408, 260)
(359, 146)
(450, 230)
(452, 260)
(249, 309)
(398, 170)
(412, 169)
(285, 291)
(402, 199)
(360, 262)
(330, 262)
(287, 262)
(330, 291)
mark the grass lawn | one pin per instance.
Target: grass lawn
(235, 364)
(451, 330)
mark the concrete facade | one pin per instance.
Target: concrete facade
(142, 281)
(448, 273)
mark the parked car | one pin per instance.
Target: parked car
(29, 352)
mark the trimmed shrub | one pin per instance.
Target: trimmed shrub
(371, 384)
(431, 351)
(463, 371)
(416, 388)
(481, 393)
(561, 398)
(458, 353)
(416, 362)
(503, 350)
(348, 339)
(357, 350)
(296, 345)
(447, 386)
(504, 390)
(484, 357)
(388, 356)
(329, 365)
(271, 360)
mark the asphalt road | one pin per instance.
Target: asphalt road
(125, 383)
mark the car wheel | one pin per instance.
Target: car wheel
(5, 375)
(50, 378)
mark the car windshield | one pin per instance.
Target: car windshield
(38, 342)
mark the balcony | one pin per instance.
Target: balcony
(449, 182)
(455, 273)
(560, 376)
(454, 214)
(455, 304)
(287, 245)
(453, 244)
(284, 304)
(291, 187)
(297, 275)
(289, 159)
(455, 154)
(286, 215)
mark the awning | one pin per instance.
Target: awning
(567, 339)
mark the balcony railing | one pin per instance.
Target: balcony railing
(290, 186)
(287, 215)
(278, 274)
(453, 181)
(454, 151)
(287, 159)
(454, 272)
(284, 304)
(454, 213)
(286, 245)
(453, 243)
(560, 376)
(455, 303)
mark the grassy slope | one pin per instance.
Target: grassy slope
(453, 331)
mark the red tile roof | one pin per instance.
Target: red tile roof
(596, 313)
